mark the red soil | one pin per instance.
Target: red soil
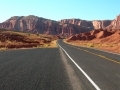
(107, 39)
(9, 39)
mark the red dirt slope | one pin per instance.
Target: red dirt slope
(10, 39)
(102, 38)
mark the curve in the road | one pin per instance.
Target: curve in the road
(92, 82)
(102, 67)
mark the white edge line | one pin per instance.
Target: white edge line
(97, 88)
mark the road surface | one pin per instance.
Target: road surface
(65, 68)
(103, 68)
(33, 69)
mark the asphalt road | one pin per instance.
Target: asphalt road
(103, 68)
(53, 69)
(33, 69)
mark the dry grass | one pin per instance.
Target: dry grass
(3, 48)
(53, 44)
(112, 47)
(13, 40)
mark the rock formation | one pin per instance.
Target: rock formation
(65, 27)
(100, 34)
(95, 24)
(79, 22)
(104, 39)
(115, 24)
(100, 24)
(41, 25)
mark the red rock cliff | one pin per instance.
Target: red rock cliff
(95, 24)
(36, 24)
(100, 24)
(115, 23)
(65, 27)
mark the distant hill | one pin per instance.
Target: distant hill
(66, 27)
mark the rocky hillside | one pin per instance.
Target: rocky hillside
(105, 39)
(95, 24)
(65, 27)
(115, 24)
(100, 35)
(41, 25)
(12, 39)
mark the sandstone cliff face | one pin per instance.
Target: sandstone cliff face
(29, 23)
(65, 27)
(95, 24)
(36, 24)
(115, 24)
(79, 22)
(100, 24)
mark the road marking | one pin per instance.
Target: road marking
(115, 61)
(93, 48)
(91, 81)
(74, 80)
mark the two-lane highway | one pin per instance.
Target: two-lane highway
(102, 68)
(64, 68)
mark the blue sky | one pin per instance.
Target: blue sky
(61, 9)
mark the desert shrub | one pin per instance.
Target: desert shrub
(91, 45)
(46, 45)
(3, 48)
(28, 34)
(37, 34)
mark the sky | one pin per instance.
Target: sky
(61, 9)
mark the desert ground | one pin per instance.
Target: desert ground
(15, 40)
(108, 40)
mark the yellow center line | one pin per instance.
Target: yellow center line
(115, 61)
